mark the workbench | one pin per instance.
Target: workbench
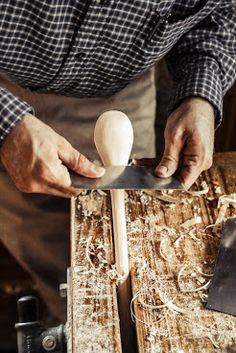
(173, 240)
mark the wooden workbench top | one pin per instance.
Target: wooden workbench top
(172, 247)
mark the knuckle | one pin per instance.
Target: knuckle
(63, 142)
(174, 133)
(27, 187)
(22, 188)
(80, 161)
(196, 160)
(169, 158)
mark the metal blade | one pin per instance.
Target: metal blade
(126, 177)
(222, 292)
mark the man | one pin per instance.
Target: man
(99, 51)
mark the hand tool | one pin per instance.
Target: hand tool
(222, 292)
(127, 177)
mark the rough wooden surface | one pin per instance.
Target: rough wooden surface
(161, 251)
(170, 259)
(93, 319)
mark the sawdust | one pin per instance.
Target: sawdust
(91, 203)
(174, 287)
(95, 321)
(171, 271)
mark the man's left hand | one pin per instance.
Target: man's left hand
(189, 141)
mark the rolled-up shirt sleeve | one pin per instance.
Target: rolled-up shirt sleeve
(12, 109)
(203, 62)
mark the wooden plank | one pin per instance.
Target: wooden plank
(170, 262)
(93, 318)
(161, 250)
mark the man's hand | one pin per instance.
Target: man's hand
(36, 158)
(189, 141)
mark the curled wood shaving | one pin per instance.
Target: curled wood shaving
(171, 252)
(227, 199)
(203, 273)
(177, 241)
(170, 231)
(161, 251)
(88, 252)
(205, 189)
(162, 196)
(213, 341)
(134, 317)
(166, 303)
(191, 222)
(101, 192)
(191, 233)
(185, 290)
(224, 202)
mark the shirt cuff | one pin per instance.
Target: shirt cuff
(12, 109)
(201, 80)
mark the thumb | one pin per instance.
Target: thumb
(77, 162)
(170, 159)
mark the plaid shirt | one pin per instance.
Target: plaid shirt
(95, 48)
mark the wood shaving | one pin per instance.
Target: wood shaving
(190, 290)
(92, 203)
(218, 190)
(182, 295)
(224, 202)
(166, 303)
(204, 191)
(191, 222)
(227, 199)
(170, 250)
(162, 196)
(203, 273)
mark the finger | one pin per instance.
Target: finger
(62, 192)
(170, 159)
(49, 189)
(56, 190)
(52, 178)
(77, 162)
(193, 165)
(60, 185)
(188, 175)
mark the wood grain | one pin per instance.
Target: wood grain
(93, 318)
(161, 247)
(158, 257)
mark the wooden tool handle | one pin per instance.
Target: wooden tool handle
(113, 136)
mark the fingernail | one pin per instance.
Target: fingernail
(99, 170)
(162, 169)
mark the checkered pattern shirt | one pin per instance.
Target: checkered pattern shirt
(95, 48)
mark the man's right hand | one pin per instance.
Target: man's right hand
(37, 158)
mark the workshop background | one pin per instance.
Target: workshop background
(15, 282)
